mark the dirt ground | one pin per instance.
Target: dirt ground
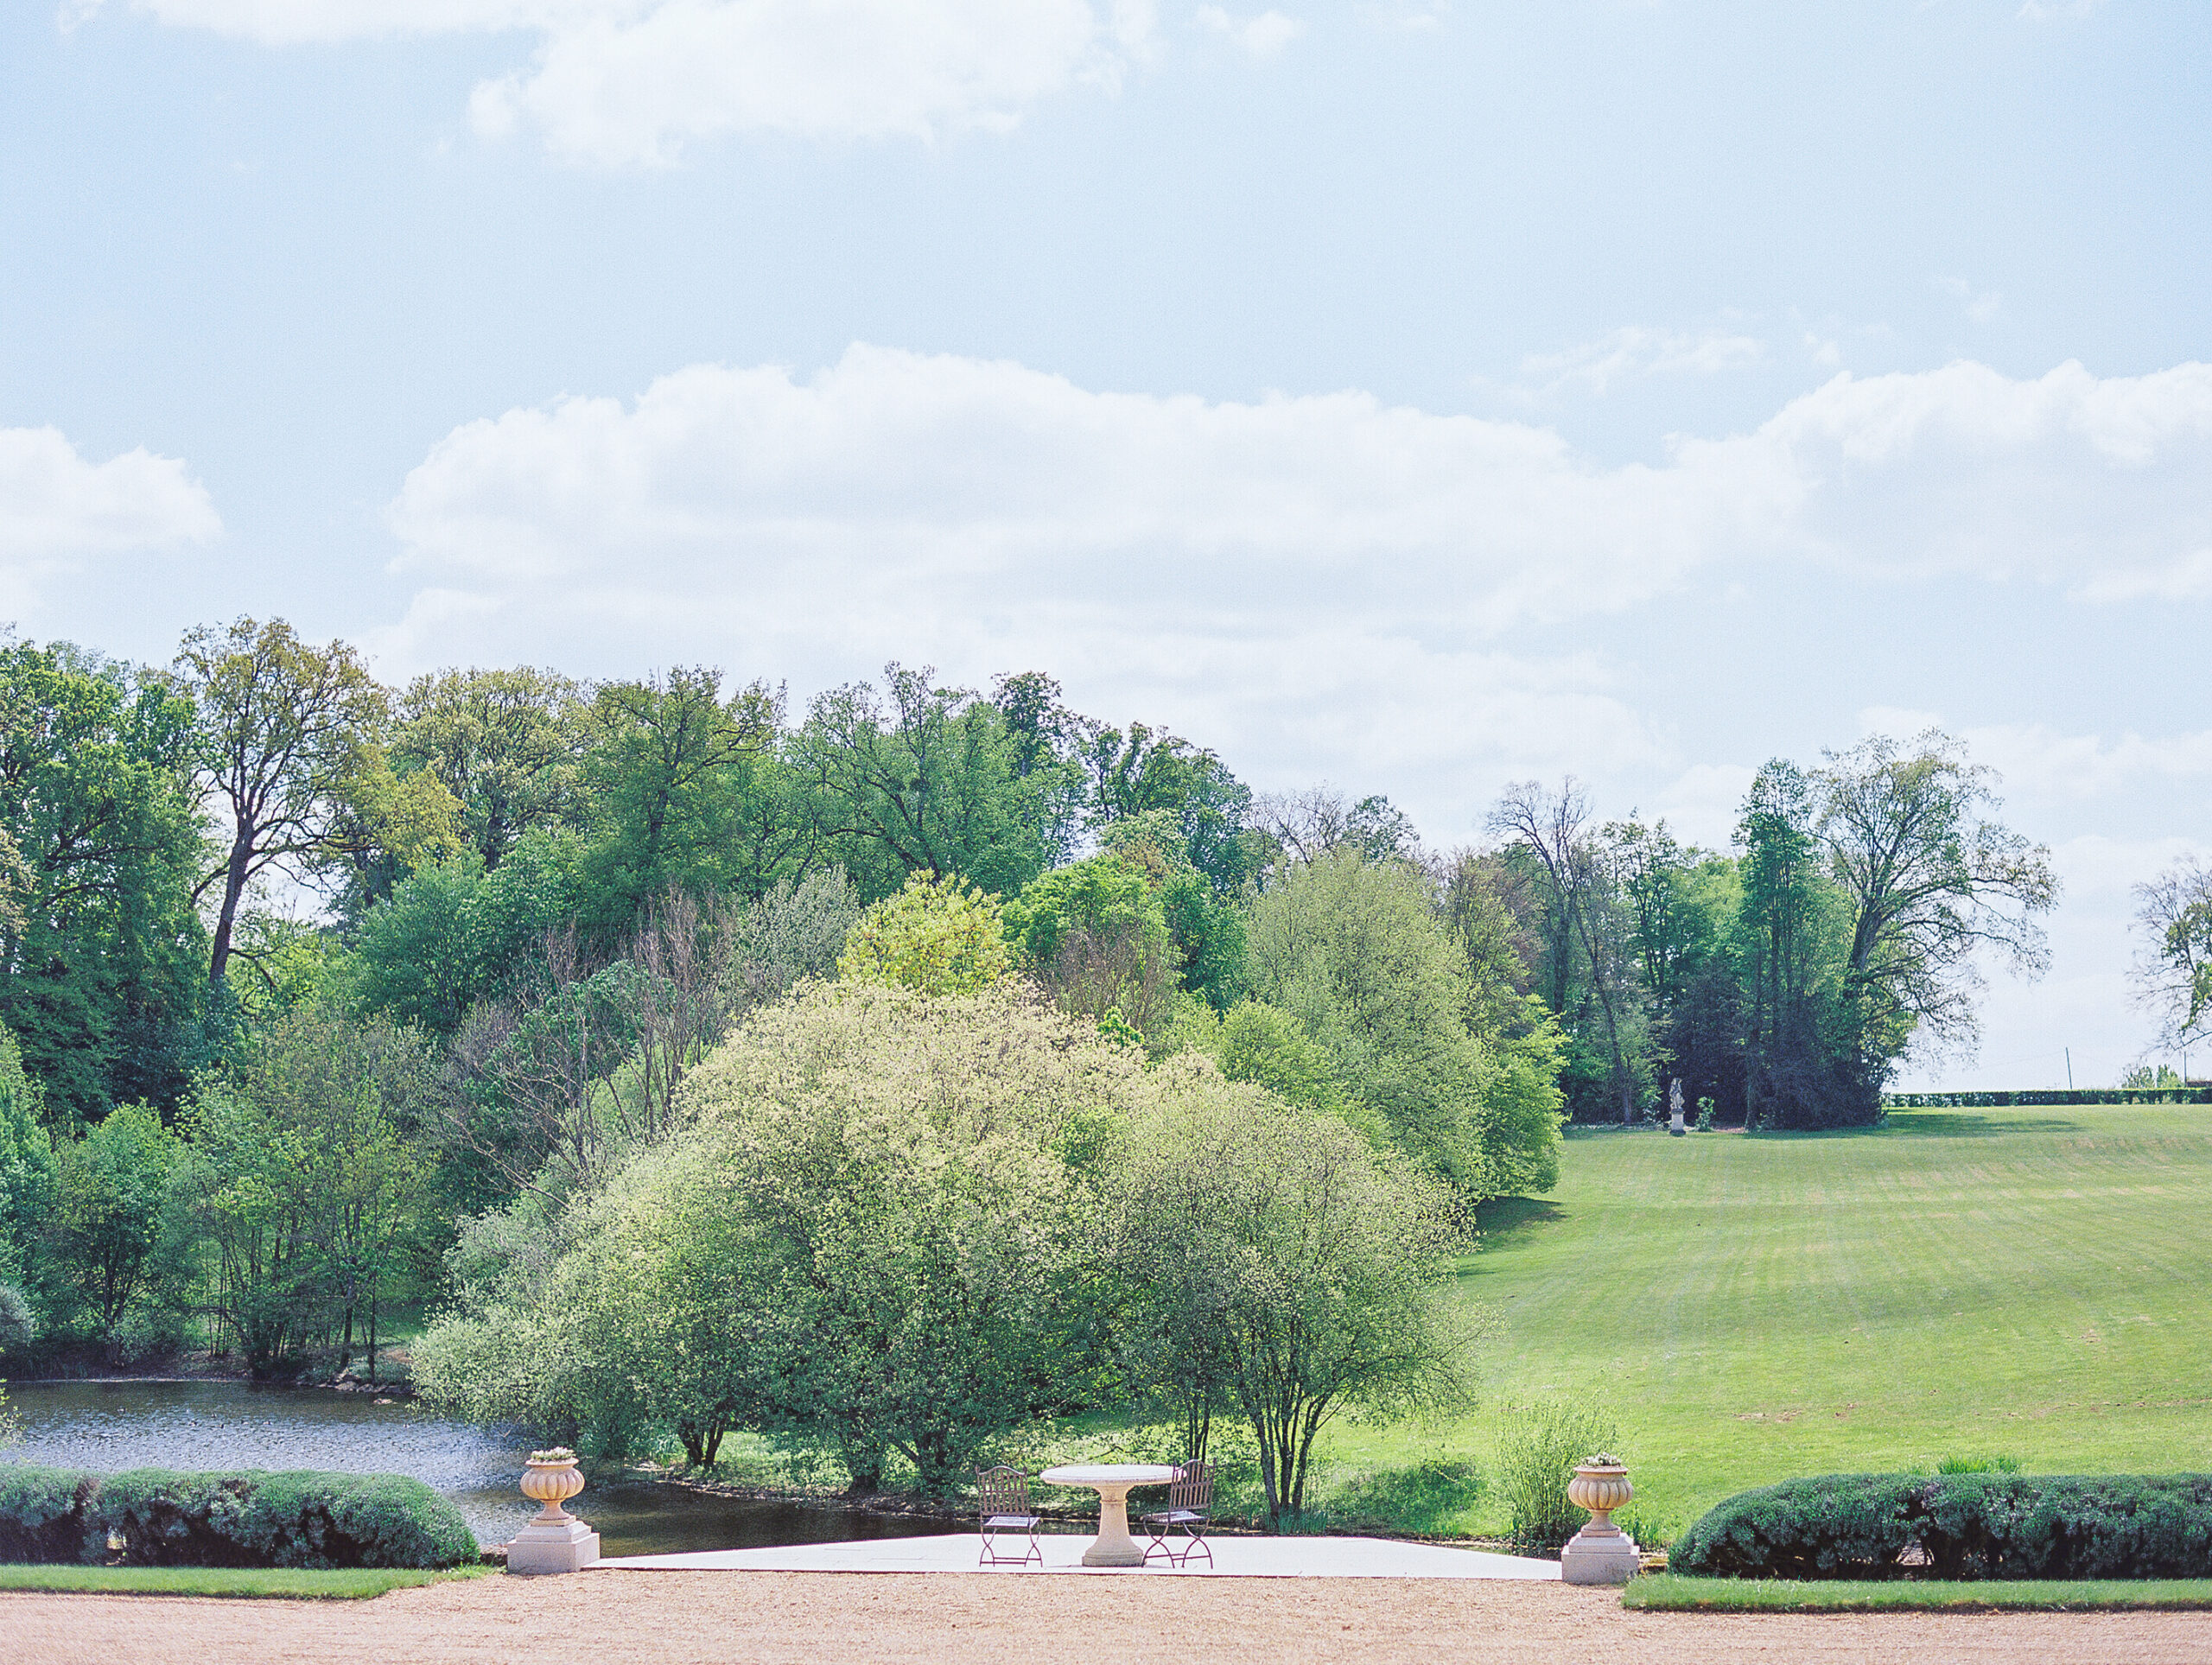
(673, 1618)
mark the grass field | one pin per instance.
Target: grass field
(352, 1583)
(2023, 1282)
(1664, 1594)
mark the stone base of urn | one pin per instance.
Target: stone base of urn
(1599, 1555)
(555, 1540)
(1601, 1552)
(553, 1547)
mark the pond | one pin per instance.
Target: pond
(110, 1426)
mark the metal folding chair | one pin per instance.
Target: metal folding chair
(1003, 1504)
(1190, 1511)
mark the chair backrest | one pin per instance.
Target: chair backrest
(1194, 1492)
(1002, 1491)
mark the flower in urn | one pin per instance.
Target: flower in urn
(551, 1477)
(1601, 1486)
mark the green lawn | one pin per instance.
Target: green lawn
(2023, 1282)
(353, 1582)
(1672, 1595)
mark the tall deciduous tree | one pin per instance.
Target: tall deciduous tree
(506, 743)
(1554, 828)
(282, 725)
(2172, 973)
(1355, 950)
(98, 941)
(672, 761)
(1934, 881)
(920, 779)
(1279, 1265)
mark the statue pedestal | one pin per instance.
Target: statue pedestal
(1600, 1554)
(553, 1547)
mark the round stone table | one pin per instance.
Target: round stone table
(1111, 1481)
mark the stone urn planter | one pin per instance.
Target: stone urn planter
(551, 1477)
(555, 1540)
(1601, 1552)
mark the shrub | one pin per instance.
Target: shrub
(290, 1519)
(18, 1322)
(46, 1515)
(1536, 1455)
(1986, 1525)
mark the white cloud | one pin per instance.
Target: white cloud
(1981, 305)
(2038, 761)
(55, 507)
(1319, 584)
(1264, 35)
(2184, 578)
(626, 83)
(1703, 804)
(2065, 479)
(1634, 351)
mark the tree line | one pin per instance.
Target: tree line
(323, 997)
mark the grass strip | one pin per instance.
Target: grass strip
(290, 1582)
(1666, 1593)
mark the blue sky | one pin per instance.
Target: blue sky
(1416, 396)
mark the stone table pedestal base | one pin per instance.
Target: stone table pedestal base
(1600, 1554)
(566, 1546)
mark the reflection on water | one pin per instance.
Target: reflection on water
(110, 1426)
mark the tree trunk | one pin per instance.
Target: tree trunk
(235, 875)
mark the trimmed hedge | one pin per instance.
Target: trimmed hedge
(2047, 1096)
(46, 1516)
(1960, 1526)
(295, 1519)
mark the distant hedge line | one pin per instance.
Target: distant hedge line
(2049, 1095)
(1963, 1526)
(257, 1518)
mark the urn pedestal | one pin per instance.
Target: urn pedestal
(555, 1540)
(1601, 1552)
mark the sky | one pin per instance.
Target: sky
(1417, 397)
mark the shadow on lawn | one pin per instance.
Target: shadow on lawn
(1501, 1219)
(1967, 1124)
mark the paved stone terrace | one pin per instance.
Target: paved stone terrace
(1233, 1558)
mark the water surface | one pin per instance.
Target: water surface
(111, 1425)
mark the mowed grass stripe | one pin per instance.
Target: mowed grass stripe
(2019, 1281)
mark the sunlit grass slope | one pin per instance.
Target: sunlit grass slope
(2031, 1283)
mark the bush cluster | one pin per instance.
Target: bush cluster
(1959, 1526)
(252, 1519)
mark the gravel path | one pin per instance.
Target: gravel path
(676, 1618)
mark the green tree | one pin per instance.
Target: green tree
(507, 744)
(106, 1224)
(452, 934)
(920, 779)
(671, 763)
(99, 848)
(1271, 1049)
(27, 1170)
(1792, 924)
(2172, 973)
(871, 1231)
(1356, 952)
(1094, 937)
(1933, 882)
(1148, 770)
(1277, 1263)
(937, 935)
(296, 1191)
(283, 725)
